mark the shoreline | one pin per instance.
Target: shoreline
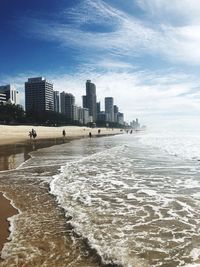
(15, 151)
(6, 210)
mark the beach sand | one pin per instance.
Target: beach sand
(15, 145)
(6, 210)
(18, 134)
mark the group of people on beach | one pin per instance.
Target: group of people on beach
(33, 134)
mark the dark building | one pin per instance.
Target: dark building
(98, 108)
(102, 117)
(67, 105)
(56, 101)
(89, 100)
(120, 118)
(84, 101)
(109, 109)
(38, 95)
(116, 110)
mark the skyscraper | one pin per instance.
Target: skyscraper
(116, 110)
(109, 109)
(89, 100)
(67, 105)
(56, 100)
(12, 95)
(38, 95)
(120, 118)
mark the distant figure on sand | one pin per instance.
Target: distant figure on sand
(30, 134)
(63, 133)
(90, 134)
(34, 134)
(99, 131)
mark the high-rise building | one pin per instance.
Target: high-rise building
(56, 100)
(84, 101)
(38, 95)
(75, 116)
(12, 95)
(120, 118)
(98, 107)
(109, 109)
(116, 110)
(89, 100)
(67, 102)
(86, 116)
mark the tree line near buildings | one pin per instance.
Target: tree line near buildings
(15, 114)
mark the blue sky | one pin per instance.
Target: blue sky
(144, 53)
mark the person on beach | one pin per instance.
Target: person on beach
(63, 133)
(34, 134)
(99, 131)
(90, 134)
(30, 134)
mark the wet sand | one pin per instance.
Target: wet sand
(6, 210)
(14, 152)
(11, 156)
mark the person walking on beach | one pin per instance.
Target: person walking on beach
(90, 134)
(64, 133)
(34, 134)
(30, 134)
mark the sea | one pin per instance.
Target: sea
(129, 200)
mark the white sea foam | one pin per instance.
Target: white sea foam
(135, 204)
(117, 204)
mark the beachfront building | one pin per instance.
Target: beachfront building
(120, 118)
(56, 101)
(38, 95)
(67, 102)
(116, 111)
(2, 97)
(81, 115)
(98, 109)
(109, 109)
(12, 95)
(89, 100)
(86, 116)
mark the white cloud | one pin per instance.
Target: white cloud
(177, 11)
(126, 35)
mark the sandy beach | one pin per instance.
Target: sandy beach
(15, 144)
(17, 134)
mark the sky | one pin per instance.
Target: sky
(144, 53)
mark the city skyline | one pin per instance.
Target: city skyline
(144, 55)
(40, 97)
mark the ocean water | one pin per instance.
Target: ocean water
(130, 200)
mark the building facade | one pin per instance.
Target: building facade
(67, 102)
(2, 97)
(56, 101)
(116, 111)
(38, 95)
(12, 95)
(120, 118)
(90, 99)
(109, 109)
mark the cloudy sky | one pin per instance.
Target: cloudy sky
(144, 53)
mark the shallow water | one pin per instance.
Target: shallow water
(127, 197)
